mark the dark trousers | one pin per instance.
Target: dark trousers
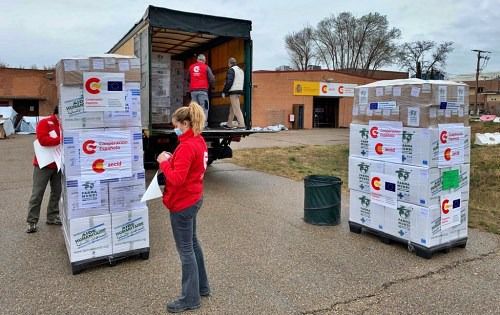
(41, 178)
(194, 274)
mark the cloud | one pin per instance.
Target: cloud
(36, 32)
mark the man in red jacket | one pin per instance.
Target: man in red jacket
(48, 134)
(200, 79)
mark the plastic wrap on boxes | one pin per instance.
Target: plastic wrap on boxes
(358, 140)
(414, 102)
(71, 110)
(70, 71)
(365, 212)
(88, 237)
(84, 198)
(426, 226)
(360, 170)
(125, 193)
(130, 230)
(73, 147)
(131, 117)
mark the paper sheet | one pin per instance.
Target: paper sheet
(153, 191)
(47, 155)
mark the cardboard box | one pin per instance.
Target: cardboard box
(358, 140)
(360, 170)
(71, 110)
(417, 185)
(88, 237)
(426, 226)
(69, 71)
(131, 117)
(71, 149)
(421, 146)
(83, 198)
(413, 92)
(126, 193)
(398, 221)
(365, 212)
(423, 186)
(130, 230)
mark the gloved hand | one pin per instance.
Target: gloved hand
(223, 95)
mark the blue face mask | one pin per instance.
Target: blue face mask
(178, 131)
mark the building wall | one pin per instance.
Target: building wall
(273, 99)
(488, 97)
(29, 84)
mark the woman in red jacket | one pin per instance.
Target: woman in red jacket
(183, 196)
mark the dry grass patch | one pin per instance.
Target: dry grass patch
(297, 162)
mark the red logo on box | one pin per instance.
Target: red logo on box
(89, 147)
(374, 132)
(93, 85)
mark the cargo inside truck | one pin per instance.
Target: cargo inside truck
(167, 43)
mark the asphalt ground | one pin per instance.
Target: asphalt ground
(262, 258)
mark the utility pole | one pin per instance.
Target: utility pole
(479, 57)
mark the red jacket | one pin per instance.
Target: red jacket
(198, 77)
(184, 172)
(48, 134)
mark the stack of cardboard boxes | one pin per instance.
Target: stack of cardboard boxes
(103, 172)
(409, 161)
(167, 87)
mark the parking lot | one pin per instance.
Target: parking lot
(262, 258)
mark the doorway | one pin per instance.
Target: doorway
(325, 112)
(26, 107)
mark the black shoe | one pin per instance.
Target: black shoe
(55, 221)
(32, 228)
(228, 127)
(205, 294)
(178, 306)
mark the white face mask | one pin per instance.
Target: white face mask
(178, 131)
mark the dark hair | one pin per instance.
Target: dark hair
(56, 110)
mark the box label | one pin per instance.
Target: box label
(103, 91)
(385, 140)
(383, 189)
(450, 210)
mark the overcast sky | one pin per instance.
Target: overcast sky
(42, 32)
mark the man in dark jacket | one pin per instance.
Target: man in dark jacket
(48, 134)
(234, 88)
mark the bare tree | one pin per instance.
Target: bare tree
(300, 47)
(3, 65)
(347, 42)
(414, 56)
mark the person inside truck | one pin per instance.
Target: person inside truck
(183, 197)
(200, 78)
(48, 134)
(234, 88)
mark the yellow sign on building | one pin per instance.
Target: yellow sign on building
(305, 88)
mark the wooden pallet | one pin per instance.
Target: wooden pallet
(110, 260)
(420, 251)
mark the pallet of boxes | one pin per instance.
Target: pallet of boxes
(103, 218)
(409, 163)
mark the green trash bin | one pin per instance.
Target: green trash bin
(322, 199)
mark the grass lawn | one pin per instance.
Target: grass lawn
(297, 162)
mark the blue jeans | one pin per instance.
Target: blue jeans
(194, 274)
(201, 97)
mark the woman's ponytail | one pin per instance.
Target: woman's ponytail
(194, 114)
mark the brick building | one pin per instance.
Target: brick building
(30, 92)
(488, 97)
(316, 98)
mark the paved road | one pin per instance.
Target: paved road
(261, 258)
